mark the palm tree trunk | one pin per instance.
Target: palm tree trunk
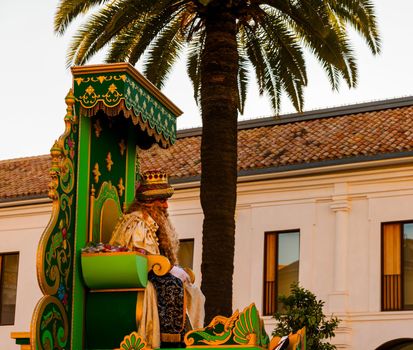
(219, 99)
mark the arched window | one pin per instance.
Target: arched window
(397, 344)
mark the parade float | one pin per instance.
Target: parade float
(93, 300)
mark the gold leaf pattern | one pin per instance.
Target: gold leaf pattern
(122, 147)
(98, 128)
(121, 187)
(109, 161)
(96, 172)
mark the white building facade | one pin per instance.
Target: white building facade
(339, 213)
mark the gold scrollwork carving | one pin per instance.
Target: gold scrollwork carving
(90, 96)
(159, 264)
(113, 95)
(50, 326)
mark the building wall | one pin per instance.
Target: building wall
(339, 215)
(20, 231)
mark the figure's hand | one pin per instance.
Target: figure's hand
(180, 273)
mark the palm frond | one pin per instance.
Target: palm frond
(100, 28)
(314, 25)
(121, 45)
(267, 79)
(254, 53)
(164, 51)
(243, 79)
(195, 49)
(285, 44)
(68, 10)
(153, 25)
(360, 15)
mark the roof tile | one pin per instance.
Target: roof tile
(371, 133)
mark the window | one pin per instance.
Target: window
(281, 262)
(397, 266)
(8, 286)
(186, 253)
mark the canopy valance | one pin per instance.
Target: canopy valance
(119, 89)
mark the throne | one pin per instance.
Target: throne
(91, 301)
(94, 300)
(115, 281)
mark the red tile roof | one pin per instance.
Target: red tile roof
(317, 140)
(24, 177)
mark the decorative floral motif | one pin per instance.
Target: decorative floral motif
(112, 96)
(132, 342)
(90, 96)
(52, 326)
(109, 161)
(122, 147)
(98, 128)
(96, 173)
(245, 328)
(113, 88)
(121, 188)
(55, 252)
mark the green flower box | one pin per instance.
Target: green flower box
(117, 270)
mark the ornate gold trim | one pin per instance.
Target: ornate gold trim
(133, 341)
(96, 173)
(117, 253)
(225, 346)
(109, 161)
(122, 67)
(58, 158)
(159, 264)
(113, 111)
(76, 278)
(35, 328)
(18, 335)
(120, 186)
(139, 306)
(91, 212)
(170, 337)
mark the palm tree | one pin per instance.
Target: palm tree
(224, 39)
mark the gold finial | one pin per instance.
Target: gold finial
(70, 101)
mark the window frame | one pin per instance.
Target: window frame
(401, 224)
(277, 234)
(193, 248)
(2, 265)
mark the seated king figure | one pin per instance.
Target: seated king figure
(172, 303)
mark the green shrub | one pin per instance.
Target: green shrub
(300, 309)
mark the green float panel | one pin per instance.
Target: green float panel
(109, 317)
(112, 112)
(114, 270)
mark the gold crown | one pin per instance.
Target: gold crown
(154, 177)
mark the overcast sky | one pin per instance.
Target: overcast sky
(34, 80)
